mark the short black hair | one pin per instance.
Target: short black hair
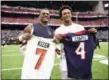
(64, 7)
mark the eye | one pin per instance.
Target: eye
(64, 13)
(46, 14)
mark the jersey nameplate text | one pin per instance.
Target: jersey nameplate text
(43, 44)
(80, 38)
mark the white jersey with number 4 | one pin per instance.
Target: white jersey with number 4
(39, 59)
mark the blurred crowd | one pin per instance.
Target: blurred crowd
(9, 36)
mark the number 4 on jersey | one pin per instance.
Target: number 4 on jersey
(80, 50)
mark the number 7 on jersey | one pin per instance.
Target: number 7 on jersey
(41, 58)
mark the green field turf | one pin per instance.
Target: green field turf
(12, 61)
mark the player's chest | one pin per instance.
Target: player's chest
(73, 29)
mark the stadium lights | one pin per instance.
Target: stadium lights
(106, 5)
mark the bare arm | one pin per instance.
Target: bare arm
(28, 29)
(26, 34)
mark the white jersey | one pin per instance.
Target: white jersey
(39, 59)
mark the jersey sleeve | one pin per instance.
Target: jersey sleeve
(56, 31)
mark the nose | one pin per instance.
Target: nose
(67, 14)
(46, 14)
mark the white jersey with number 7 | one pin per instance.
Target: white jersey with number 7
(39, 59)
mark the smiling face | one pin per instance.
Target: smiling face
(44, 16)
(66, 15)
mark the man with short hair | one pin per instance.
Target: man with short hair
(40, 50)
(78, 45)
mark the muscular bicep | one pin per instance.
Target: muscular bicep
(28, 29)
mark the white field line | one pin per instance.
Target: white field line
(9, 50)
(97, 59)
(10, 69)
(13, 55)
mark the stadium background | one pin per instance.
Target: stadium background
(15, 15)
